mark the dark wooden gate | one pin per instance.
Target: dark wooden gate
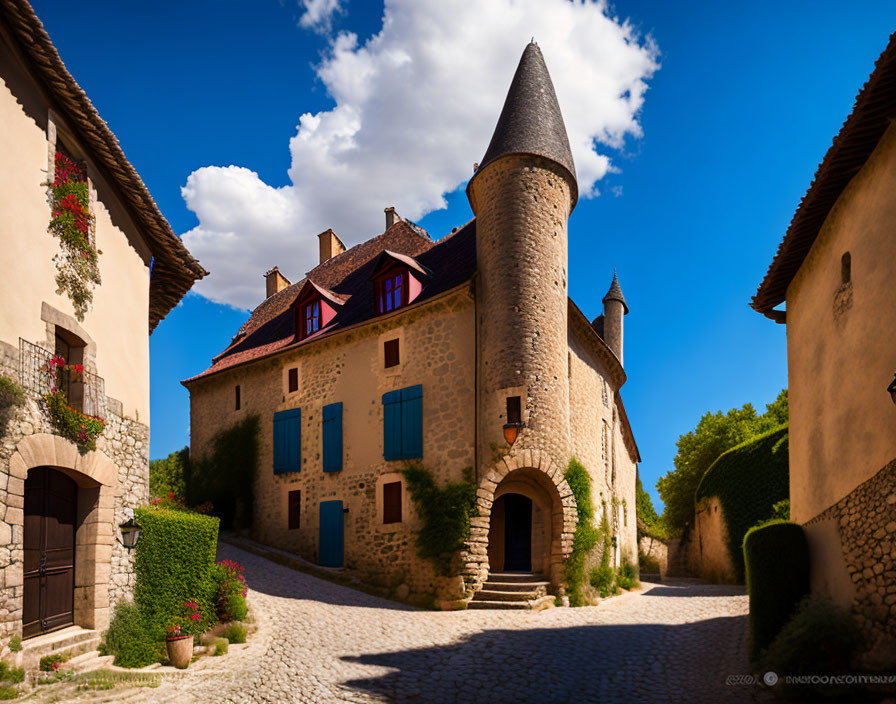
(517, 533)
(51, 502)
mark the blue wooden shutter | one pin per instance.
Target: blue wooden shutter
(288, 441)
(332, 440)
(331, 534)
(392, 425)
(412, 422)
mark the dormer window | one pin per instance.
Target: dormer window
(392, 291)
(397, 281)
(311, 316)
(315, 307)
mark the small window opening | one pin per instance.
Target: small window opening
(293, 379)
(845, 268)
(391, 353)
(312, 317)
(392, 502)
(236, 397)
(295, 508)
(69, 380)
(514, 409)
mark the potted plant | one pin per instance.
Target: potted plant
(179, 641)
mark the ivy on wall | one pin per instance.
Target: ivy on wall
(11, 396)
(586, 535)
(445, 513)
(749, 479)
(77, 264)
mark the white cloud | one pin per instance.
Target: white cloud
(414, 107)
(318, 14)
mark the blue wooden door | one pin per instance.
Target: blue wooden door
(331, 533)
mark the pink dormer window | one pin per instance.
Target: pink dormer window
(392, 291)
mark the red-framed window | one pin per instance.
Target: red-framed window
(310, 317)
(391, 291)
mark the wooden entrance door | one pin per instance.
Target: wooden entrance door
(51, 502)
(517, 533)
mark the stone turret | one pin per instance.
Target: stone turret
(615, 308)
(522, 195)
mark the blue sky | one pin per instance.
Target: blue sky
(744, 105)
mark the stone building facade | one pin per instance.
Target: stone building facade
(495, 369)
(62, 563)
(835, 270)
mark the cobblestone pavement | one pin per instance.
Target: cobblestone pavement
(320, 642)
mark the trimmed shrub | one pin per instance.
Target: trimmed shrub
(777, 561)
(821, 638)
(129, 639)
(586, 535)
(235, 633)
(174, 563)
(226, 478)
(749, 480)
(445, 514)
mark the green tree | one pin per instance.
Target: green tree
(698, 449)
(644, 506)
(169, 475)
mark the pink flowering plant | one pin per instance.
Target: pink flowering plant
(232, 591)
(189, 623)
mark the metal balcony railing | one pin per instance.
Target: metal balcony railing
(86, 392)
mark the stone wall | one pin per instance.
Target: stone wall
(865, 522)
(658, 550)
(122, 457)
(437, 351)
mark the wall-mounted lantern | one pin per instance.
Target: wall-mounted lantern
(892, 389)
(514, 419)
(130, 530)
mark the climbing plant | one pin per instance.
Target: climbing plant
(77, 264)
(11, 396)
(445, 513)
(585, 536)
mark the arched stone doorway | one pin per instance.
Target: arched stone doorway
(92, 480)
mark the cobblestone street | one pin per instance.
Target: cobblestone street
(320, 642)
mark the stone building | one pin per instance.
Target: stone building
(404, 349)
(66, 361)
(835, 273)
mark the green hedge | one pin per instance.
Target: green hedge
(174, 563)
(749, 480)
(777, 560)
(586, 535)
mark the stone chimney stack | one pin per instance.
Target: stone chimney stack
(330, 245)
(615, 308)
(391, 217)
(274, 281)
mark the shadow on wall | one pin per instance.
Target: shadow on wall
(601, 663)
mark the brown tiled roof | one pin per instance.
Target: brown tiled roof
(174, 270)
(271, 327)
(531, 121)
(870, 117)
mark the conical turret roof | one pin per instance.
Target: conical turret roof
(615, 293)
(531, 122)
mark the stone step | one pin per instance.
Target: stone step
(71, 641)
(89, 661)
(515, 577)
(498, 605)
(515, 586)
(493, 595)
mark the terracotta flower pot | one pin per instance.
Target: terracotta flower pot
(180, 650)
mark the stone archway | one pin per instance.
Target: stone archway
(534, 474)
(97, 478)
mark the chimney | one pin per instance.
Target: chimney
(615, 308)
(274, 281)
(391, 217)
(330, 245)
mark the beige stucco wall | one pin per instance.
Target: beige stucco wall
(436, 350)
(708, 554)
(118, 321)
(841, 344)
